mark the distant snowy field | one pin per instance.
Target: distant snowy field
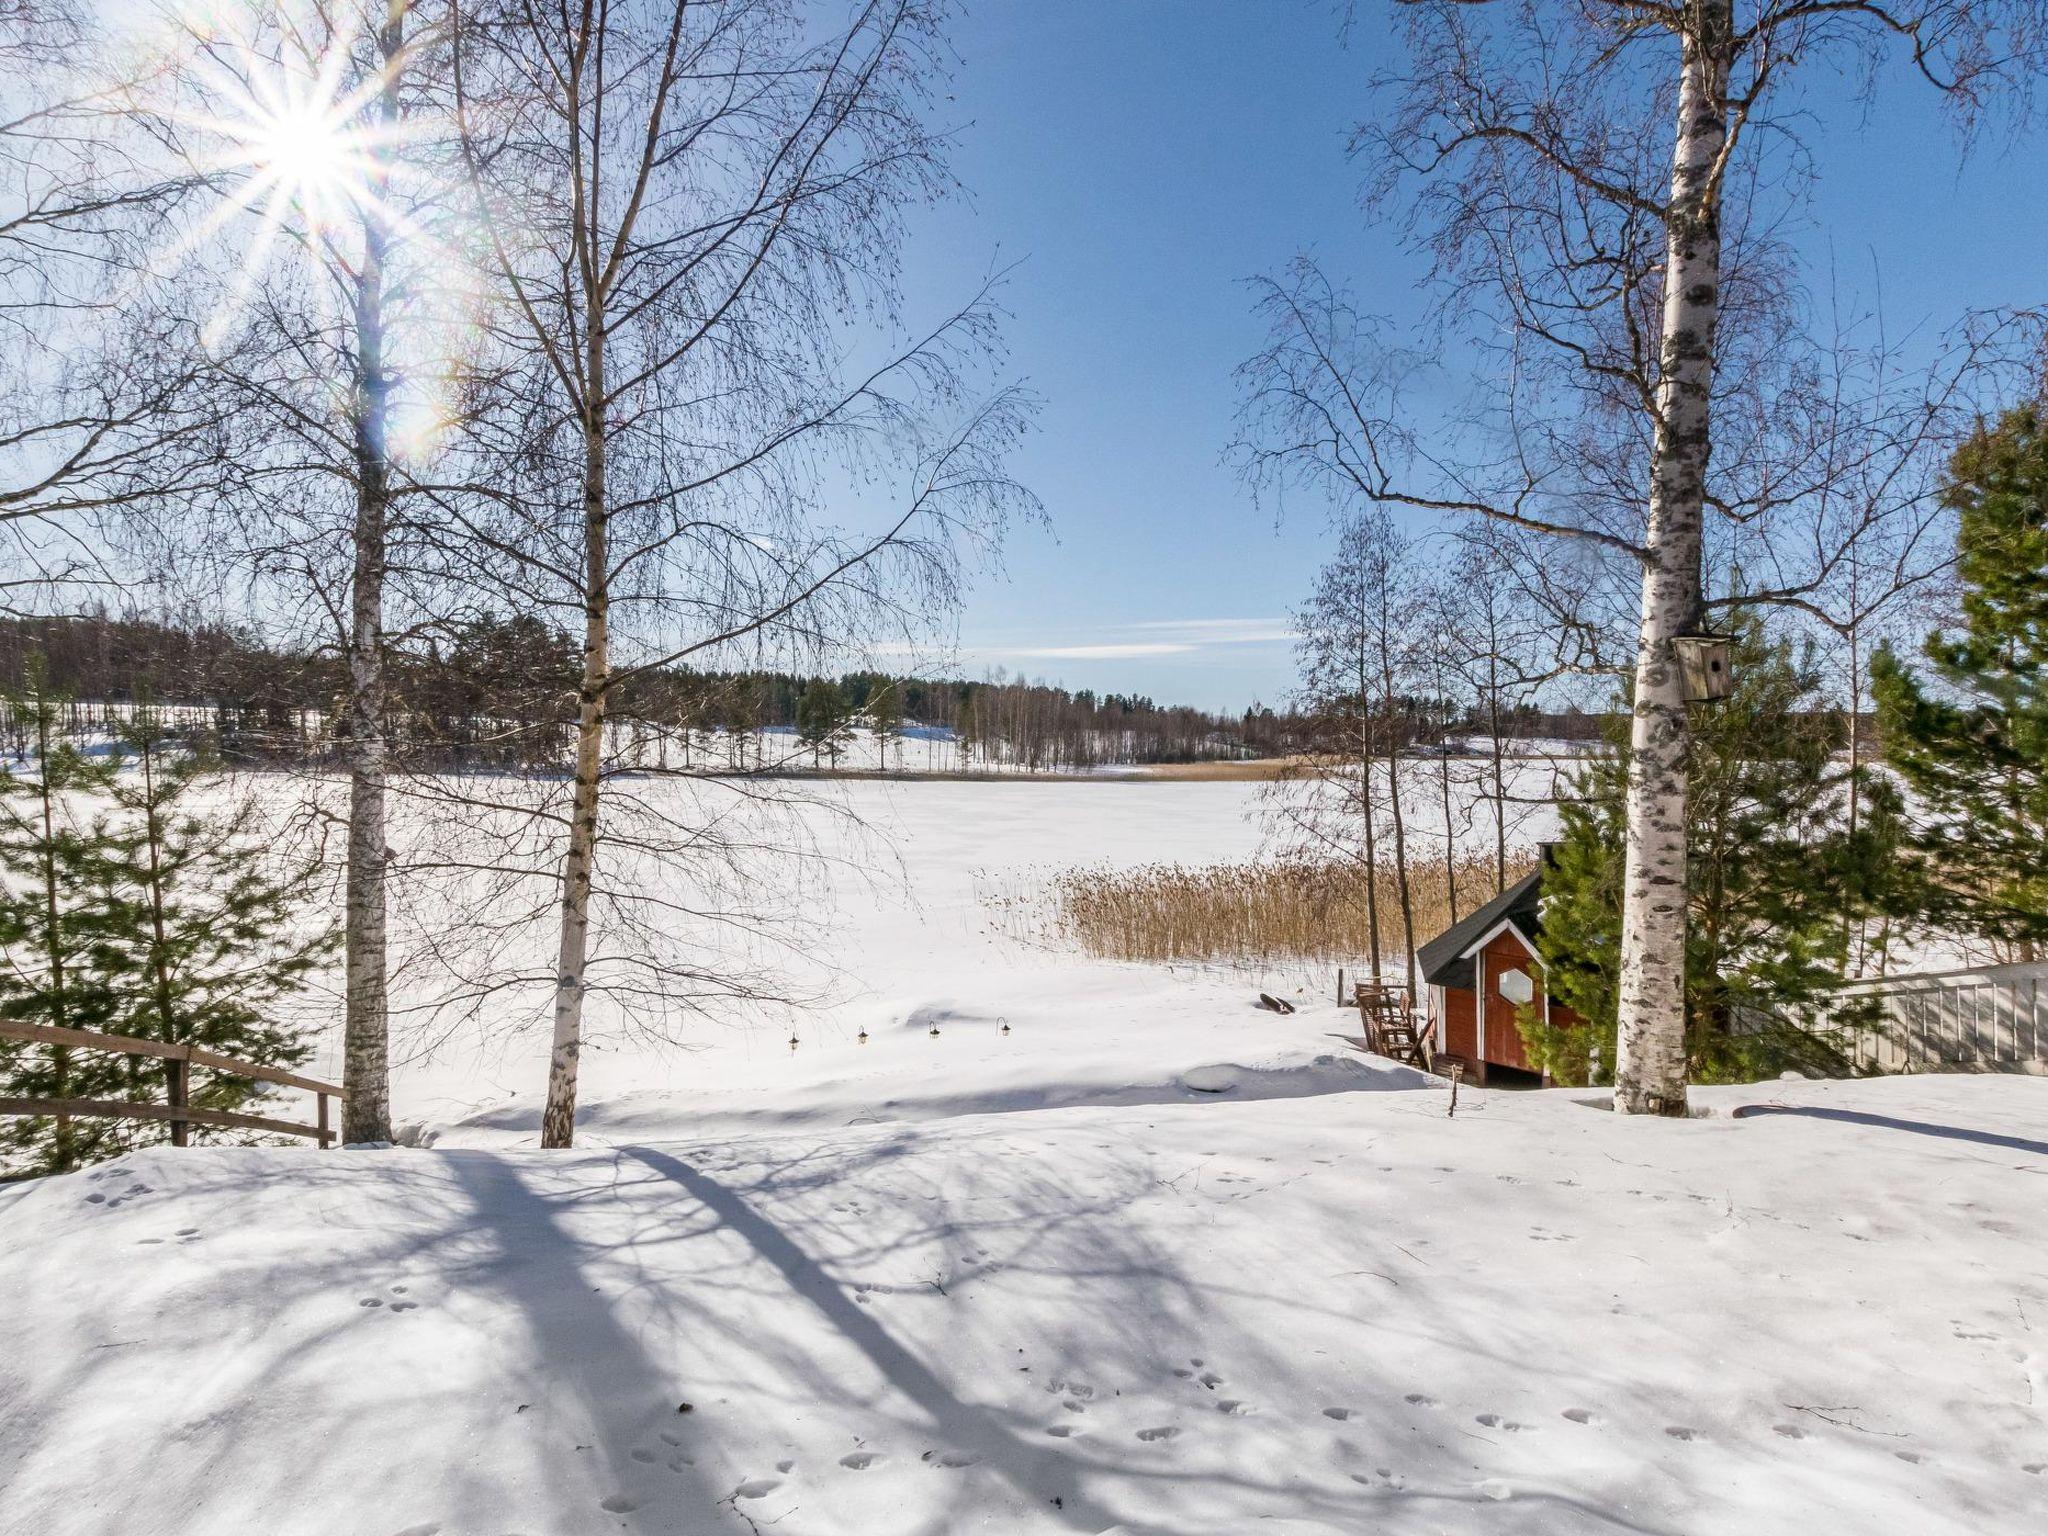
(1154, 1262)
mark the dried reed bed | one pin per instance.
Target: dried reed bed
(1241, 914)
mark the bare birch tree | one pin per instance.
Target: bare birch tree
(683, 202)
(1598, 185)
(331, 279)
(1356, 639)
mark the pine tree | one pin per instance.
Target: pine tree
(1772, 870)
(821, 717)
(885, 717)
(204, 935)
(1973, 749)
(50, 931)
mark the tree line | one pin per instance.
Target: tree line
(499, 692)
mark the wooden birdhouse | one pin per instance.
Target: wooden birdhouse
(1704, 660)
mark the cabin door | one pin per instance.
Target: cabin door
(1503, 1044)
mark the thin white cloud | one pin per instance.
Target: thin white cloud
(1220, 631)
(1101, 652)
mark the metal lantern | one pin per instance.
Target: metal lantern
(1705, 662)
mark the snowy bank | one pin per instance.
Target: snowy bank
(1332, 1312)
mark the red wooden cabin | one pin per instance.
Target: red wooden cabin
(1479, 971)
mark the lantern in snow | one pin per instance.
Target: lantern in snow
(1703, 662)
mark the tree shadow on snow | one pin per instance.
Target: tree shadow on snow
(1047, 1477)
(1892, 1123)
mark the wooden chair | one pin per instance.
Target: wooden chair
(1390, 1026)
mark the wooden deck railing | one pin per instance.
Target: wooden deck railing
(178, 1062)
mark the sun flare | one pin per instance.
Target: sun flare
(303, 147)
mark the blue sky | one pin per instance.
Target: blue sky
(1139, 159)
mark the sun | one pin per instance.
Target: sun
(301, 148)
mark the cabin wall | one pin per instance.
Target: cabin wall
(1480, 1027)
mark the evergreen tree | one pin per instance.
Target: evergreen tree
(821, 719)
(205, 936)
(885, 716)
(1772, 871)
(50, 930)
(1973, 747)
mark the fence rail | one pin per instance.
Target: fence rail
(1991, 1018)
(178, 1059)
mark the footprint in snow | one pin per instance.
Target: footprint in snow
(1495, 1421)
(1234, 1407)
(618, 1504)
(1494, 1488)
(953, 1459)
(755, 1488)
(405, 1306)
(1582, 1415)
(1341, 1414)
(860, 1461)
(2034, 1468)
(1210, 1380)
(1066, 1431)
(1789, 1431)
(1912, 1456)
(371, 1301)
(785, 1466)
(1419, 1400)
(1163, 1432)
(425, 1528)
(1681, 1432)
(642, 1455)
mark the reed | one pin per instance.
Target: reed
(1241, 914)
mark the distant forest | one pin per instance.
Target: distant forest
(501, 693)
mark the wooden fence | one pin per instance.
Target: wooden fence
(178, 1062)
(1991, 1018)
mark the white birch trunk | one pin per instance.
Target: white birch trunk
(366, 1029)
(1650, 1053)
(558, 1119)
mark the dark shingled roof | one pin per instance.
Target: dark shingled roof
(1442, 960)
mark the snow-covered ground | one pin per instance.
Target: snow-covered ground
(1154, 1261)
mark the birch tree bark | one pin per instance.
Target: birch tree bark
(366, 1031)
(1650, 1052)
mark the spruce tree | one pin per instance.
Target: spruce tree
(205, 937)
(1971, 742)
(1771, 873)
(51, 931)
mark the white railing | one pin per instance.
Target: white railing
(1989, 1018)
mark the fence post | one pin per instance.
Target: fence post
(177, 1094)
(1340, 986)
(325, 1135)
